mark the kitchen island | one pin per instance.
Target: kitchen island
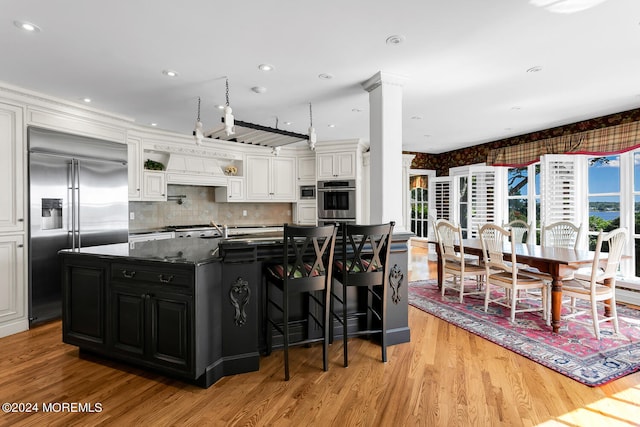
(190, 308)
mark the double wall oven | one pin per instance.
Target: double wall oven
(336, 201)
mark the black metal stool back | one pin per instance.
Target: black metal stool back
(364, 263)
(306, 269)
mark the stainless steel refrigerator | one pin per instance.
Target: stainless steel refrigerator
(78, 197)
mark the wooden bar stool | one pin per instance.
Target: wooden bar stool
(306, 269)
(364, 264)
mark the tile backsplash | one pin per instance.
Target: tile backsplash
(198, 207)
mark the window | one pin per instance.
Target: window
(603, 195)
(635, 226)
(419, 205)
(523, 195)
(518, 194)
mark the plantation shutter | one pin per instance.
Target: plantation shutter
(482, 195)
(559, 198)
(440, 190)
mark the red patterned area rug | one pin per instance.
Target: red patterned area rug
(574, 351)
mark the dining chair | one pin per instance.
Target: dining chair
(523, 231)
(561, 234)
(505, 274)
(455, 264)
(601, 285)
(363, 265)
(306, 268)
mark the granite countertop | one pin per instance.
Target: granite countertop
(233, 229)
(185, 251)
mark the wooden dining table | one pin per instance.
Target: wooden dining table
(557, 262)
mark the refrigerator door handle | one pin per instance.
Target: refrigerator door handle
(77, 205)
(72, 180)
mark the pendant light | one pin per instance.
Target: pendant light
(312, 131)
(229, 127)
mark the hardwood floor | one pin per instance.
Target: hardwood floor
(443, 377)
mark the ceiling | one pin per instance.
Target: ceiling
(470, 66)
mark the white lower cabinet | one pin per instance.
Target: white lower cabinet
(271, 178)
(13, 287)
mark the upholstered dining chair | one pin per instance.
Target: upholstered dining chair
(363, 265)
(455, 264)
(522, 230)
(601, 285)
(306, 268)
(505, 274)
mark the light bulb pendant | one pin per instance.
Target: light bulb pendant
(312, 138)
(229, 126)
(198, 134)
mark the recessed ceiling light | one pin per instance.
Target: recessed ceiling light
(154, 124)
(265, 67)
(515, 107)
(259, 89)
(426, 135)
(507, 128)
(395, 39)
(325, 76)
(170, 73)
(331, 126)
(416, 118)
(287, 123)
(27, 26)
(87, 100)
(220, 107)
(534, 69)
(356, 110)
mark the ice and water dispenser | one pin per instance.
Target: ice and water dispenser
(51, 214)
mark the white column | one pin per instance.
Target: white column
(385, 135)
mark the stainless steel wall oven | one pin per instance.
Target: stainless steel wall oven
(337, 200)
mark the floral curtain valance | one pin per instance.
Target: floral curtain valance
(610, 140)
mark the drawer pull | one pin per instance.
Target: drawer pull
(128, 274)
(165, 279)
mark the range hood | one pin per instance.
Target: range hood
(191, 170)
(250, 133)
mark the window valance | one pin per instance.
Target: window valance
(609, 140)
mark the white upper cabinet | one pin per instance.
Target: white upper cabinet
(134, 147)
(232, 192)
(306, 170)
(270, 178)
(336, 165)
(11, 168)
(154, 186)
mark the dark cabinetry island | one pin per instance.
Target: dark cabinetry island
(189, 308)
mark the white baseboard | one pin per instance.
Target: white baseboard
(628, 296)
(14, 327)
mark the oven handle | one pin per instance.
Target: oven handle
(333, 190)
